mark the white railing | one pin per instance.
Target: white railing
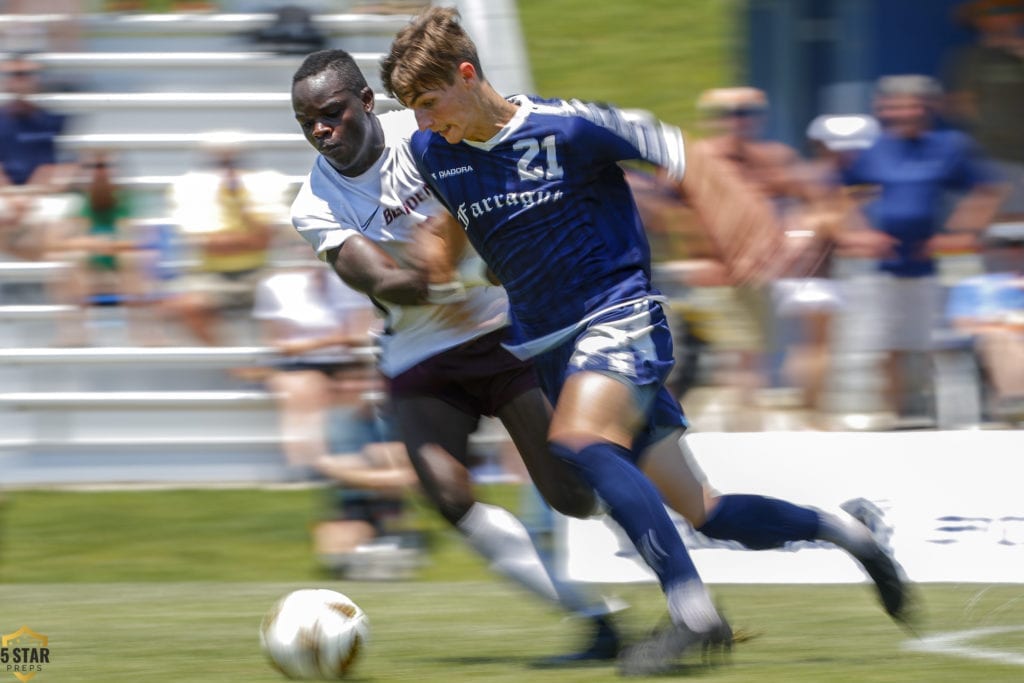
(190, 23)
(174, 100)
(107, 355)
(91, 61)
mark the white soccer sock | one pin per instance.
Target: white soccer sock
(690, 603)
(497, 535)
(846, 532)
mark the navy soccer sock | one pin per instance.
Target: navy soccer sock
(759, 522)
(633, 502)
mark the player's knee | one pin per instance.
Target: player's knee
(452, 498)
(570, 496)
(453, 506)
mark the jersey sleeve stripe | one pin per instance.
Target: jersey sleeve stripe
(655, 141)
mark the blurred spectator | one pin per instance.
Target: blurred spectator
(57, 30)
(17, 238)
(987, 87)
(913, 166)
(807, 298)
(31, 175)
(292, 32)
(106, 260)
(28, 133)
(365, 536)
(331, 421)
(227, 217)
(990, 307)
(318, 325)
(766, 170)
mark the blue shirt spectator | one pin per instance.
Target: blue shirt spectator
(913, 175)
(914, 166)
(28, 133)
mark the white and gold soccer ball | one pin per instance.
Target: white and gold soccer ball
(314, 634)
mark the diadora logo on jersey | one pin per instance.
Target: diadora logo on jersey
(408, 205)
(506, 200)
(449, 172)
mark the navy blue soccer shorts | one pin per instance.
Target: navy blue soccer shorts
(632, 344)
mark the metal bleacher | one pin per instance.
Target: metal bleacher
(155, 88)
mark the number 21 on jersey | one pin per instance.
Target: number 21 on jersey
(531, 148)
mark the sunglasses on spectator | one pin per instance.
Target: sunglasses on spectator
(26, 73)
(739, 113)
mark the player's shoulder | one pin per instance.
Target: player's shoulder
(554, 107)
(423, 141)
(586, 114)
(548, 115)
(398, 125)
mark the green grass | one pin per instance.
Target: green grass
(190, 535)
(169, 586)
(486, 631)
(652, 54)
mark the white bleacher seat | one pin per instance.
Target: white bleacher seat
(222, 356)
(156, 89)
(135, 400)
(194, 23)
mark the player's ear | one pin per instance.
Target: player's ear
(367, 98)
(467, 71)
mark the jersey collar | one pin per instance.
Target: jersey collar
(517, 120)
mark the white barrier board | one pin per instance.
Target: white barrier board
(953, 501)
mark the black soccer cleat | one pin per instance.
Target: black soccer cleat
(662, 651)
(604, 646)
(889, 578)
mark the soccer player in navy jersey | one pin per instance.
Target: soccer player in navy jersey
(536, 186)
(363, 208)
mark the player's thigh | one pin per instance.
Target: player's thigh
(428, 420)
(435, 435)
(594, 406)
(671, 467)
(527, 417)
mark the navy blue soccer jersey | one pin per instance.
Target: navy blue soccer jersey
(544, 202)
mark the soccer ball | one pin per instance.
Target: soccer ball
(314, 634)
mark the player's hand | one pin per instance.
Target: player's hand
(431, 252)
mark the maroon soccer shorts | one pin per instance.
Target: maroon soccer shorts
(477, 377)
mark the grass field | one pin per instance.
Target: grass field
(170, 586)
(655, 54)
(485, 631)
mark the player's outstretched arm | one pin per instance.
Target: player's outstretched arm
(366, 267)
(741, 223)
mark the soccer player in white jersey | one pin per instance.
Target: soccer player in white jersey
(362, 208)
(538, 191)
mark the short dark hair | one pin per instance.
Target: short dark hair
(334, 60)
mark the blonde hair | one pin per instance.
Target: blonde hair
(426, 54)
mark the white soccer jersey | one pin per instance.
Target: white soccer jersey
(385, 204)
